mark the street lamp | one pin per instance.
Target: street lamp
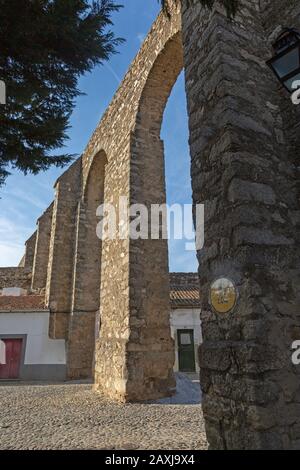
(286, 61)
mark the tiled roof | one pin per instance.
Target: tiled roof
(184, 298)
(184, 290)
(22, 303)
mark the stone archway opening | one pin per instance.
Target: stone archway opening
(150, 365)
(135, 352)
(185, 321)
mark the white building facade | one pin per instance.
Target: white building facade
(27, 353)
(185, 321)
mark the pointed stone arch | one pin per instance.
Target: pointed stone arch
(135, 352)
(158, 86)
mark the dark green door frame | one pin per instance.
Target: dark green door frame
(186, 350)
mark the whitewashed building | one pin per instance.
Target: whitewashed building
(185, 320)
(27, 352)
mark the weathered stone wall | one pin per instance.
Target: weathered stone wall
(61, 251)
(86, 275)
(41, 254)
(242, 172)
(277, 15)
(29, 251)
(188, 280)
(15, 277)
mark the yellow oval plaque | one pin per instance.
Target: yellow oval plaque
(223, 295)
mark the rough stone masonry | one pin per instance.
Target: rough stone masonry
(244, 143)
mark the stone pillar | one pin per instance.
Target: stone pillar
(61, 253)
(135, 352)
(243, 173)
(86, 281)
(41, 255)
(150, 353)
(111, 374)
(29, 251)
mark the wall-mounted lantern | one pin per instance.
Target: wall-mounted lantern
(286, 61)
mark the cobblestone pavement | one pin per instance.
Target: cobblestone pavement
(72, 416)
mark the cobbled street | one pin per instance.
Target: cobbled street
(72, 416)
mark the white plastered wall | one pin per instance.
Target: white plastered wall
(39, 348)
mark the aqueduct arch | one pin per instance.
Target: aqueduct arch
(244, 147)
(135, 352)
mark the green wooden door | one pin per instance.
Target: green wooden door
(186, 350)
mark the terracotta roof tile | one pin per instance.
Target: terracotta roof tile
(22, 303)
(185, 298)
(184, 291)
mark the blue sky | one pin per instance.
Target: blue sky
(24, 198)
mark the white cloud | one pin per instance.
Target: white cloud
(112, 71)
(25, 197)
(180, 259)
(141, 37)
(10, 254)
(12, 238)
(20, 206)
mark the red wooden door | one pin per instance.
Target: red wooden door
(13, 351)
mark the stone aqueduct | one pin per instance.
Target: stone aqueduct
(244, 141)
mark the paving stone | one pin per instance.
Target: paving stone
(72, 416)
